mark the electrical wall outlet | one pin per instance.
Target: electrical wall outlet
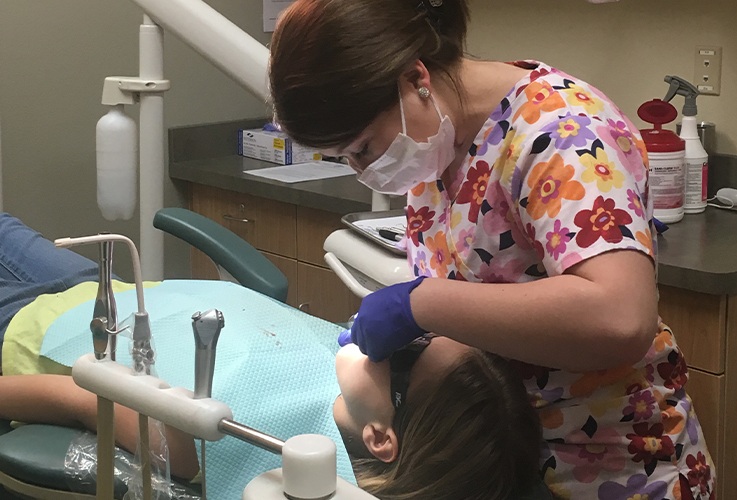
(708, 69)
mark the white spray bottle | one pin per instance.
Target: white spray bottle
(697, 159)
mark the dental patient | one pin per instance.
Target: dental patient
(439, 420)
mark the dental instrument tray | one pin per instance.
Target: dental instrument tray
(385, 228)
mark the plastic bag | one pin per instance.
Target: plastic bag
(151, 459)
(80, 470)
(152, 465)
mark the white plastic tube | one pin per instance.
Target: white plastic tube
(135, 259)
(216, 38)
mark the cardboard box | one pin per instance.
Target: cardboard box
(273, 146)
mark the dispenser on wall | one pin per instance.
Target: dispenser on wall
(117, 164)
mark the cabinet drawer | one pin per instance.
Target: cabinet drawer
(321, 293)
(268, 225)
(708, 394)
(699, 324)
(313, 227)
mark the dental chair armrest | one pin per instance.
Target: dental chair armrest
(35, 454)
(246, 264)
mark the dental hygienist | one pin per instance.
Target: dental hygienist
(529, 227)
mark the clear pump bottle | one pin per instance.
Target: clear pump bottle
(697, 159)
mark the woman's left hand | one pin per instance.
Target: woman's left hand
(384, 322)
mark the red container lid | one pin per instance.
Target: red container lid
(658, 139)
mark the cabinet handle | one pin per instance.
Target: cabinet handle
(237, 219)
(242, 220)
(304, 307)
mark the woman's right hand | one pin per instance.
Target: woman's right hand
(384, 322)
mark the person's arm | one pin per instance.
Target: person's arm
(600, 314)
(56, 399)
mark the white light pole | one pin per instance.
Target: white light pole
(219, 41)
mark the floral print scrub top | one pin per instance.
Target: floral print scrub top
(556, 175)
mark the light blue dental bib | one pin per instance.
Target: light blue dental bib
(275, 367)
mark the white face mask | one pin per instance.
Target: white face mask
(408, 163)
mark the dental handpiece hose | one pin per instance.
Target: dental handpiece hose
(135, 259)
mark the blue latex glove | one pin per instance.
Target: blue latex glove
(660, 227)
(344, 338)
(385, 322)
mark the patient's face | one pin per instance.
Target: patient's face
(365, 386)
(364, 397)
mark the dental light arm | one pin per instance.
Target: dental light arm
(216, 38)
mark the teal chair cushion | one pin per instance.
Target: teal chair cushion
(229, 251)
(35, 453)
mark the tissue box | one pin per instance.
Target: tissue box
(273, 146)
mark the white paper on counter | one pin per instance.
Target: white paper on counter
(300, 172)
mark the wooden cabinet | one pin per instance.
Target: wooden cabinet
(705, 327)
(321, 293)
(268, 225)
(288, 235)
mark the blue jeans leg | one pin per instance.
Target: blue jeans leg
(26, 256)
(31, 265)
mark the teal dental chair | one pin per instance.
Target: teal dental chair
(32, 456)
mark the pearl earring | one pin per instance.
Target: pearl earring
(424, 92)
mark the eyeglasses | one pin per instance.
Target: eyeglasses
(400, 366)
